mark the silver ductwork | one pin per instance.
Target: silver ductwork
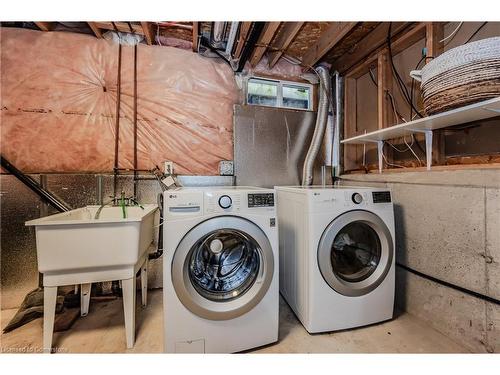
(336, 131)
(319, 130)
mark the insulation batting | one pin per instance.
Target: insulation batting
(59, 99)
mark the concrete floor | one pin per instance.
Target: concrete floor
(102, 331)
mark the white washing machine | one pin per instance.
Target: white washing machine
(220, 269)
(337, 255)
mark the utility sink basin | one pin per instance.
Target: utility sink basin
(76, 242)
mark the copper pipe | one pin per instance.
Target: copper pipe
(135, 121)
(117, 120)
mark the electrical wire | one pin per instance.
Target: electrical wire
(453, 33)
(158, 33)
(475, 32)
(391, 164)
(399, 80)
(372, 76)
(397, 116)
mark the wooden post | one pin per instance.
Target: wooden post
(384, 82)
(196, 31)
(350, 123)
(434, 33)
(385, 113)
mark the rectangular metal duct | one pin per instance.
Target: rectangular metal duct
(270, 144)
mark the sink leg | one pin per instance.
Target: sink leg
(128, 289)
(49, 312)
(144, 282)
(85, 299)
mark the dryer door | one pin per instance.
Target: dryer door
(222, 268)
(355, 253)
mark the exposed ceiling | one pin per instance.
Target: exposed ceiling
(306, 42)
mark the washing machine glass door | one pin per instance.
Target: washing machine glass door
(355, 253)
(222, 268)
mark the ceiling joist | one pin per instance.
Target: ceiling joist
(327, 41)
(375, 39)
(243, 35)
(45, 26)
(282, 41)
(403, 41)
(97, 32)
(265, 39)
(147, 29)
(124, 27)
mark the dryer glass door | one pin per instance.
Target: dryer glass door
(355, 253)
(222, 268)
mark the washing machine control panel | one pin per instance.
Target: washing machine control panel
(261, 200)
(357, 198)
(222, 202)
(225, 201)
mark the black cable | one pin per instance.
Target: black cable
(370, 73)
(413, 85)
(475, 32)
(399, 80)
(450, 285)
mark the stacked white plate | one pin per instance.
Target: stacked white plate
(461, 76)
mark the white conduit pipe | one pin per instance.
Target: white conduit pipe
(319, 130)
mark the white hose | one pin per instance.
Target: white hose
(319, 130)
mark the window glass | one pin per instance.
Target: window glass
(295, 97)
(262, 92)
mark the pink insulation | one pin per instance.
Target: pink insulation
(58, 93)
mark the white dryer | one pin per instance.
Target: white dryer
(337, 255)
(220, 269)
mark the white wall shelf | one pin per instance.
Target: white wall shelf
(474, 112)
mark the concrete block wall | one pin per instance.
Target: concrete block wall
(448, 227)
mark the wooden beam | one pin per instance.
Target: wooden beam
(404, 41)
(375, 39)
(242, 38)
(328, 39)
(45, 26)
(97, 32)
(196, 32)
(147, 29)
(283, 40)
(265, 38)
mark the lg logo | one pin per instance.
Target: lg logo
(172, 196)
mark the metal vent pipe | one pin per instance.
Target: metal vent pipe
(321, 120)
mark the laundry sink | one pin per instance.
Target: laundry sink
(75, 241)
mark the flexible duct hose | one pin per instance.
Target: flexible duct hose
(319, 130)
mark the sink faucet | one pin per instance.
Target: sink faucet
(121, 201)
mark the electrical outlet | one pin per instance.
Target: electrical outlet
(226, 168)
(169, 167)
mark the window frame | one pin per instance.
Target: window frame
(279, 97)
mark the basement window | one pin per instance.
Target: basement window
(282, 94)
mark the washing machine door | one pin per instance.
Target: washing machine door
(355, 253)
(223, 268)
